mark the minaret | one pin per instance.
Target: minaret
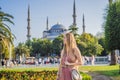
(47, 28)
(28, 26)
(83, 24)
(74, 14)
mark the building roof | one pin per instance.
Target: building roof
(58, 27)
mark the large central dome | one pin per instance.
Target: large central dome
(55, 31)
(58, 27)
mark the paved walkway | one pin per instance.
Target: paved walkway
(97, 76)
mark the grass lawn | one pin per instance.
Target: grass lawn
(31, 69)
(112, 71)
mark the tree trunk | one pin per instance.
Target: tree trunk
(113, 58)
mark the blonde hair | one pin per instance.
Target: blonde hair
(69, 47)
(70, 43)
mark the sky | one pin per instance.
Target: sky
(57, 11)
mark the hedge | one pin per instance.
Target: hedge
(34, 75)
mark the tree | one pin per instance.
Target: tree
(46, 48)
(22, 50)
(82, 47)
(6, 36)
(90, 44)
(41, 47)
(57, 45)
(112, 29)
(73, 29)
(101, 41)
(35, 46)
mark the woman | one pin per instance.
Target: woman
(70, 58)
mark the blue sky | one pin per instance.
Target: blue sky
(57, 11)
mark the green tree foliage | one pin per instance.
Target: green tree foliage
(21, 50)
(101, 41)
(6, 36)
(46, 47)
(112, 26)
(112, 29)
(41, 47)
(57, 45)
(35, 46)
(82, 46)
(73, 29)
(89, 45)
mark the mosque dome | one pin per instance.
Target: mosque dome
(58, 27)
(55, 31)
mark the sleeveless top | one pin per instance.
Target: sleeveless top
(67, 58)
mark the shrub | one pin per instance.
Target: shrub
(34, 75)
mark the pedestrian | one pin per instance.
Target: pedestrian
(2, 62)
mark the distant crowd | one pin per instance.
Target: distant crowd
(43, 60)
(8, 63)
(51, 60)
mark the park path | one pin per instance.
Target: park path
(97, 76)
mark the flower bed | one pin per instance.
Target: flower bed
(33, 75)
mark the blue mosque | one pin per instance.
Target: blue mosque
(58, 28)
(55, 30)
